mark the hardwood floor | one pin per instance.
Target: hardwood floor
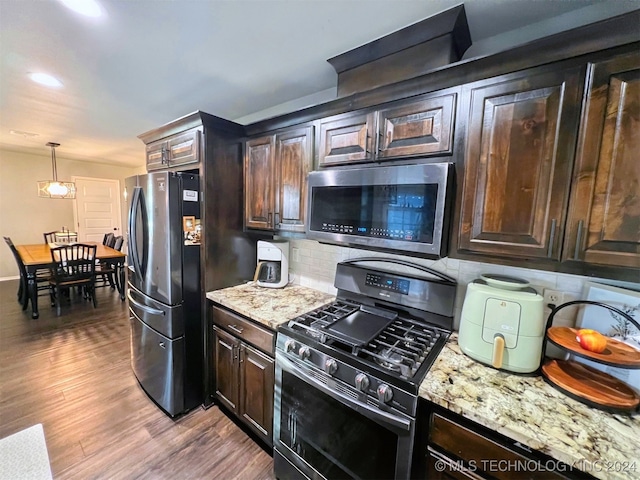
(72, 374)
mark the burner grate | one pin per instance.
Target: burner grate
(402, 346)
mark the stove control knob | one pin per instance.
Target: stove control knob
(304, 353)
(385, 394)
(362, 382)
(330, 366)
(289, 346)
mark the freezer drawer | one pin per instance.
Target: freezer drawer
(165, 319)
(159, 365)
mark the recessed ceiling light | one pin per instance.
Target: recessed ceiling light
(88, 8)
(45, 79)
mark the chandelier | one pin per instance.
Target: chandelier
(54, 188)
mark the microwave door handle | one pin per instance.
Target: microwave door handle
(363, 408)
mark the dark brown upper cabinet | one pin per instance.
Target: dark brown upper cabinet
(177, 150)
(604, 215)
(404, 129)
(417, 128)
(521, 136)
(259, 183)
(276, 168)
(346, 139)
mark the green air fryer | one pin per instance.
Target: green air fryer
(502, 323)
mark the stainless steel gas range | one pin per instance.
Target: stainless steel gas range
(347, 374)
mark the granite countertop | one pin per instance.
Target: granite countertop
(270, 306)
(530, 411)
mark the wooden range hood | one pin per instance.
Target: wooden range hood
(406, 53)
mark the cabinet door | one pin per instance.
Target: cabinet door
(184, 148)
(346, 139)
(604, 220)
(259, 183)
(156, 155)
(518, 159)
(293, 163)
(226, 351)
(419, 128)
(256, 385)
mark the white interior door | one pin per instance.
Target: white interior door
(97, 208)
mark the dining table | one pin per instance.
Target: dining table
(38, 257)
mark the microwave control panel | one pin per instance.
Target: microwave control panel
(396, 234)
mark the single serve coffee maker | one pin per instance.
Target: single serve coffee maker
(272, 270)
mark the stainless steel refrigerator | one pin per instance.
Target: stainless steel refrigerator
(164, 288)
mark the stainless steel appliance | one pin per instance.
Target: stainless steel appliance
(164, 289)
(272, 268)
(347, 374)
(403, 207)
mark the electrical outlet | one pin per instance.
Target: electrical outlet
(553, 297)
(296, 254)
(565, 316)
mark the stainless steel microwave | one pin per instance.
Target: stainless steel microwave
(403, 208)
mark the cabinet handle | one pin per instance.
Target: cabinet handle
(576, 252)
(552, 237)
(235, 329)
(233, 352)
(241, 350)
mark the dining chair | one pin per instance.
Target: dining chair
(49, 237)
(42, 277)
(73, 266)
(106, 270)
(108, 239)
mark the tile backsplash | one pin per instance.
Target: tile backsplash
(313, 265)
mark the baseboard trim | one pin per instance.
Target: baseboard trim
(4, 279)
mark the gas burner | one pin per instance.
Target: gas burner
(394, 361)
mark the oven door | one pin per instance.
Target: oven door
(328, 432)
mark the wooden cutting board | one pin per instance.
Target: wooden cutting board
(585, 383)
(616, 353)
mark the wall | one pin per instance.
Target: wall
(314, 265)
(23, 215)
(479, 48)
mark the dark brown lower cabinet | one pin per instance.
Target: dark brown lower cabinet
(256, 387)
(244, 376)
(452, 447)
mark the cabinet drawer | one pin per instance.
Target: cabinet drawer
(245, 330)
(483, 453)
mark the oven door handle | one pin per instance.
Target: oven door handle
(360, 407)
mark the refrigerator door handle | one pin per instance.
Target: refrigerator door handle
(133, 241)
(144, 308)
(138, 207)
(145, 235)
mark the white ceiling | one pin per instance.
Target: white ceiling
(148, 62)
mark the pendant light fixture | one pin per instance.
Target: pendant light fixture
(54, 188)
